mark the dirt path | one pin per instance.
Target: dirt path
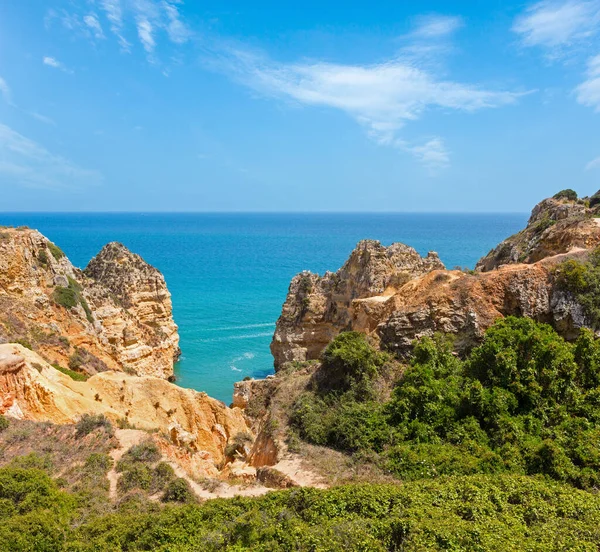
(127, 438)
(293, 467)
(130, 437)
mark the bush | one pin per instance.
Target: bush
(350, 361)
(3, 422)
(136, 476)
(569, 194)
(524, 401)
(90, 422)
(65, 297)
(530, 360)
(42, 258)
(146, 452)
(77, 376)
(456, 513)
(71, 296)
(178, 490)
(56, 251)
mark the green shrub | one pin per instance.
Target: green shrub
(146, 452)
(42, 257)
(77, 376)
(90, 422)
(65, 297)
(350, 361)
(71, 296)
(524, 401)
(569, 194)
(3, 422)
(480, 513)
(136, 476)
(530, 360)
(163, 474)
(461, 513)
(178, 490)
(595, 199)
(56, 251)
(24, 343)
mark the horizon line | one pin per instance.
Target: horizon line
(263, 212)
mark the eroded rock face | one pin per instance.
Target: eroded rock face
(32, 389)
(395, 296)
(554, 227)
(141, 290)
(317, 307)
(121, 320)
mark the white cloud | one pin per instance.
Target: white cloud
(53, 62)
(177, 30)
(436, 26)
(381, 97)
(5, 91)
(92, 21)
(593, 164)
(144, 28)
(41, 118)
(114, 14)
(149, 19)
(588, 92)
(432, 154)
(558, 24)
(26, 163)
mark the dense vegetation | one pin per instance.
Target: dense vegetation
(497, 451)
(524, 402)
(455, 513)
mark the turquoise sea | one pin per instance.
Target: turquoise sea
(229, 273)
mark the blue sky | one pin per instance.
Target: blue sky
(164, 105)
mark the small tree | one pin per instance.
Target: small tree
(569, 194)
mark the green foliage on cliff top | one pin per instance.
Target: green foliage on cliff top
(567, 193)
(524, 402)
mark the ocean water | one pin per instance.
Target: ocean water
(229, 273)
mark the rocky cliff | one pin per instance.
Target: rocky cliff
(317, 307)
(396, 296)
(32, 389)
(116, 315)
(555, 226)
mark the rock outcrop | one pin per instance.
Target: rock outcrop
(396, 296)
(114, 316)
(32, 389)
(317, 307)
(555, 226)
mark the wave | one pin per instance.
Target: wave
(246, 327)
(245, 356)
(229, 337)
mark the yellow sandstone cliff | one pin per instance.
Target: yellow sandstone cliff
(32, 389)
(116, 315)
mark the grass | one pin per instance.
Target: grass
(71, 296)
(77, 376)
(56, 251)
